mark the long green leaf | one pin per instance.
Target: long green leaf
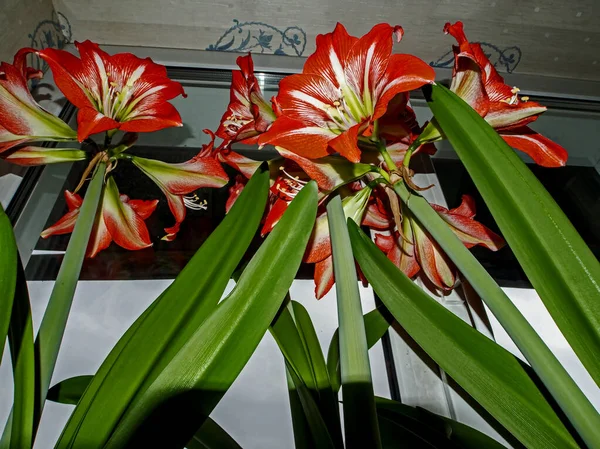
(490, 374)
(319, 433)
(156, 337)
(184, 393)
(69, 391)
(325, 396)
(377, 322)
(425, 429)
(287, 336)
(20, 339)
(521, 213)
(296, 336)
(360, 418)
(302, 431)
(561, 267)
(8, 275)
(52, 327)
(210, 435)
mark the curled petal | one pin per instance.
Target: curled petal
(90, 121)
(308, 141)
(65, 225)
(126, 227)
(234, 191)
(31, 155)
(332, 49)
(100, 238)
(155, 117)
(144, 208)
(20, 115)
(274, 215)
(319, 245)
(185, 177)
(404, 73)
(346, 144)
(469, 231)
(542, 150)
(241, 163)
(434, 262)
(329, 172)
(171, 232)
(324, 278)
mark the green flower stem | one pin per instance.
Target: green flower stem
(573, 402)
(360, 418)
(55, 318)
(386, 156)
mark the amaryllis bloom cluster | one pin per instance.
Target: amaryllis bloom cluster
(344, 88)
(120, 91)
(351, 99)
(345, 122)
(120, 220)
(477, 82)
(22, 120)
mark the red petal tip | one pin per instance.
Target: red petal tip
(398, 33)
(456, 30)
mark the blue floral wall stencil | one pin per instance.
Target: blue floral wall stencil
(55, 33)
(506, 59)
(261, 37)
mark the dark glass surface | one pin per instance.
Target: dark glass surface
(576, 189)
(164, 260)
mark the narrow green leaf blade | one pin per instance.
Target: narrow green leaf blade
(185, 392)
(321, 438)
(296, 336)
(212, 436)
(360, 417)
(8, 275)
(20, 339)
(555, 258)
(436, 430)
(490, 374)
(287, 336)
(302, 431)
(52, 327)
(377, 322)
(325, 396)
(69, 391)
(144, 352)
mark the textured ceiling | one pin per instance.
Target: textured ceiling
(554, 38)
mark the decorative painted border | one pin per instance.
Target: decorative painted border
(253, 36)
(55, 33)
(506, 59)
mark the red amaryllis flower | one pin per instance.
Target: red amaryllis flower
(114, 92)
(415, 250)
(120, 220)
(477, 82)
(248, 114)
(318, 250)
(21, 118)
(344, 87)
(177, 181)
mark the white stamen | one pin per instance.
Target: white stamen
(194, 203)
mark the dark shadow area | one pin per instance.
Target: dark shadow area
(164, 260)
(575, 189)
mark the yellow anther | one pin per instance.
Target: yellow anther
(524, 99)
(336, 103)
(515, 90)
